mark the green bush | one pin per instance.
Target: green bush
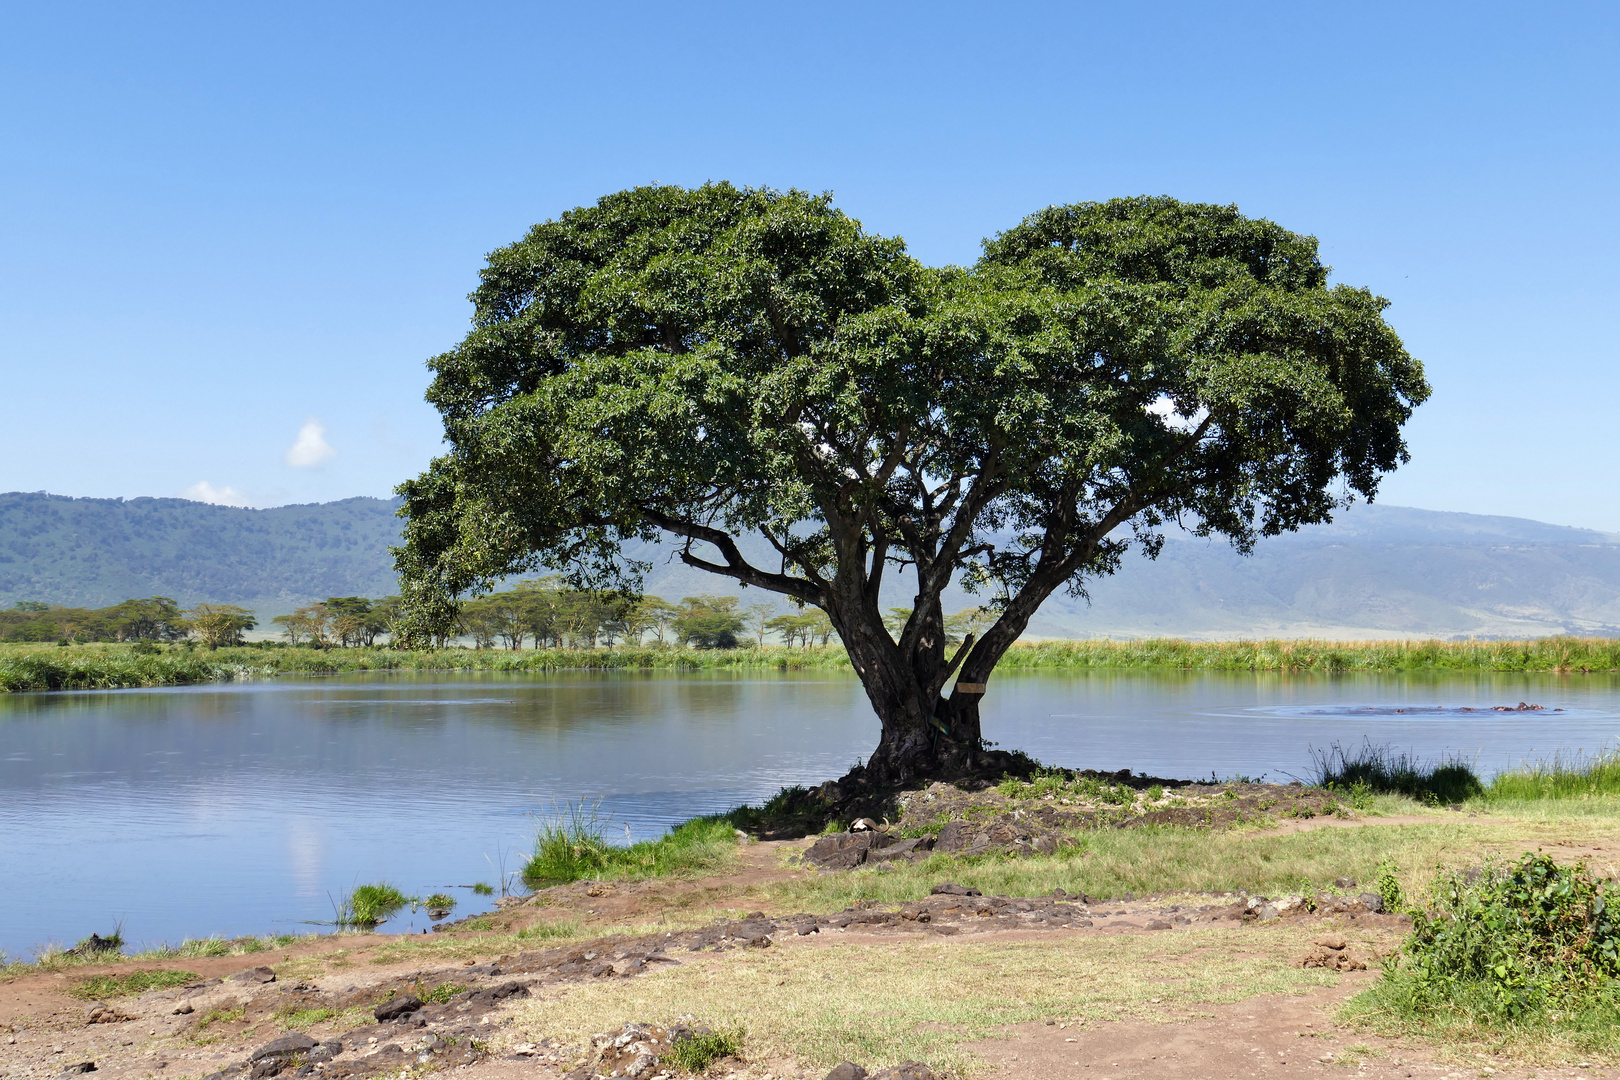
(1530, 941)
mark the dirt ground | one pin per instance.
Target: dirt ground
(473, 1029)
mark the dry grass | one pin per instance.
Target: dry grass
(1149, 861)
(922, 998)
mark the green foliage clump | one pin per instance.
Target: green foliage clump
(369, 905)
(1384, 770)
(440, 904)
(483, 888)
(1530, 942)
(1062, 784)
(696, 1052)
(136, 982)
(441, 993)
(1388, 886)
(571, 846)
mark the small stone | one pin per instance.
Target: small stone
(1372, 902)
(846, 1070)
(1331, 941)
(79, 1067)
(1157, 924)
(950, 888)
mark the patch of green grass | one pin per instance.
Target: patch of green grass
(1166, 859)
(442, 903)
(1577, 776)
(1384, 769)
(101, 987)
(695, 1053)
(483, 888)
(221, 1016)
(548, 931)
(442, 993)
(571, 846)
(369, 905)
(304, 1018)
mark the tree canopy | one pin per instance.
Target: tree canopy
(707, 363)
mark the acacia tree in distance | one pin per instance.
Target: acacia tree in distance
(719, 361)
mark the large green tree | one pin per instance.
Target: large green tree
(709, 363)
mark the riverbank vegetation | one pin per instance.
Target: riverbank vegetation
(105, 666)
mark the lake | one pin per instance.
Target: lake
(247, 808)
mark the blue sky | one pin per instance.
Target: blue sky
(230, 235)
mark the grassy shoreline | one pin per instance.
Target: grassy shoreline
(104, 666)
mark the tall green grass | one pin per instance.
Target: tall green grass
(572, 846)
(105, 666)
(1385, 771)
(1576, 776)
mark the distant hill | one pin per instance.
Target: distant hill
(95, 552)
(1378, 571)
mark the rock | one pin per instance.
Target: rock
(842, 852)
(258, 975)
(913, 913)
(759, 941)
(185, 1010)
(102, 1013)
(396, 1007)
(1157, 924)
(1331, 941)
(954, 836)
(846, 1070)
(1266, 912)
(286, 1046)
(1372, 901)
(900, 849)
(79, 1067)
(906, 1070)
(1344, 883)
(1332, 959)
(950, 888)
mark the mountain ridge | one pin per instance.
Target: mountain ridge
(1376, 571)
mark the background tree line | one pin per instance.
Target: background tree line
(153, 619)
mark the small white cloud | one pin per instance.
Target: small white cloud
(224, 495)
(310, 448)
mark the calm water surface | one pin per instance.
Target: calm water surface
(246, 808)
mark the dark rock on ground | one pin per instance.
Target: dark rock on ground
(396, 1007)
(846, 1070)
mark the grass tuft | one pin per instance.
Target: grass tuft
(369, 905)
(572, 846)
(695, 1053)
(1384, 770)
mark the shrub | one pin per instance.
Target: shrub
(1529, 941)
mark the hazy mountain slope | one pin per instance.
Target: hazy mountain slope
(1377, 572)
(93, 552)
